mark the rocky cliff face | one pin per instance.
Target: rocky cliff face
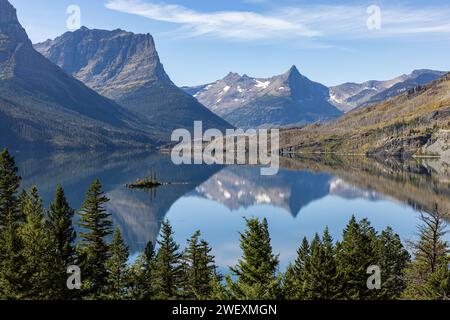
(126, 68)
(110, 62)
(439, 144)
(287, 99)
(40, 105)
(12, 38)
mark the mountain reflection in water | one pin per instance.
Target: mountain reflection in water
(306, 195)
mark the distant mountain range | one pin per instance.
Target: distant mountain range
(40, 105)
(287, 99)
(126, 67)
(414, 123)
(97, 89)
(292, 99)
(349, 96)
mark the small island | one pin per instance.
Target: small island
(146, 183)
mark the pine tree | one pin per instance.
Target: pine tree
(200, 268)
(354, 255)
(9, 185)
(313, 277)
(93, 249)
(256, 272)
(118, 272)
(21, 200)
(428, 277)
(320, 276)
(392, 260)
(316, 268)
(11, 260)
(295, 277)
(221, 291)
(37, 249)
(329, 268)
(62, 236)
(142, 287)
(167, 275)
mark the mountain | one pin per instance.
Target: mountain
(244, 187)
(287, 99)
(349, 96)
(126, 67)
(414, 123)
(42, 106)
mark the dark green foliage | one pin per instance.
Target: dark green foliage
(313, 276)
(392, 259)
(9, 185)
(37, 249)
(256, 271)
(329, 277)
(118, 272)
(10, 219)
(320, 280)
(295, 278)
(141, 285)
(199, 269)
(354, 255)
(62, 236)
(167, 275)
(428, 276)
(93, 249)
(221, 291)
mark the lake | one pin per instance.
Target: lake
(307, 195)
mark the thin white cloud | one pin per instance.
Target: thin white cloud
(308, 22)
(223, 24)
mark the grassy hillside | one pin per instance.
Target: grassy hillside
(405, 125)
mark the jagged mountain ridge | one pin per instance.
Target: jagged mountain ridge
(110, 62)
(349, 96)
(126, 67)
(287, 99)
(414, 123)
(41, 106)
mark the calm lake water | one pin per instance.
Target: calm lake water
(306, 196)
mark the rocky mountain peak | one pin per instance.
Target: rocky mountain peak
(126, 68)
(285, 99)
(10, 29)
(13, 39)
(293, 71)
(7, 12)
(107, 59)
(232, 77)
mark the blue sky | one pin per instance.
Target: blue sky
(200, 41)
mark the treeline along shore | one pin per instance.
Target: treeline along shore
(38, 246)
